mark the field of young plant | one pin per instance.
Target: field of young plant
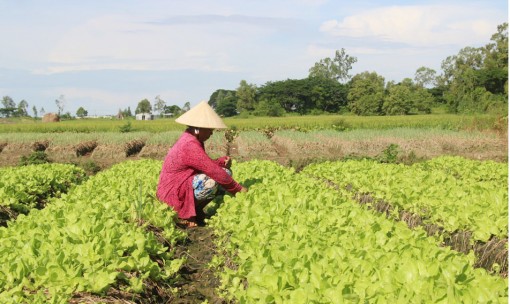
(455, 193)
(25, 188)
(293, 238)
(106, 236)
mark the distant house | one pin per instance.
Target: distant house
(144, 116)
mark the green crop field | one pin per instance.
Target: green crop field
(361, 227)
(293, 238)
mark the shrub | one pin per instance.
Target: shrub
(231, 134)
(269, 108)
(36, 157)
(389, 155)
(90, 167)
(340, 125)
(125, 128)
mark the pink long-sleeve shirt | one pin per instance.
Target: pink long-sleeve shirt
(186, 158)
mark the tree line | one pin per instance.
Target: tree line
(473, 81)
(11, 109)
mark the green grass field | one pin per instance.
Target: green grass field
(342, 122)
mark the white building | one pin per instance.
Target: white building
(144, 116)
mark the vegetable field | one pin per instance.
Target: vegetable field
(108, 232)
(311, 236)
(295, 239)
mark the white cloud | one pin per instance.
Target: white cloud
(317, 51)
(75, 95)
(120, 42)
(420, 25)
(313, 2)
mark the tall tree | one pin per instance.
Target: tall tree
(406, 97)
(465, 78)
(22, 108)
(9, 106)
(290, 93)
(127, 112)
(213, 99)
(337, 68)
(61, 103)
(422, 100)
(173, 109)
(458, 75)
(81, 112)
(398, 101)
(144, 106)
(159, 104)
(8, 102)
(494, 74)
(425, 77)
(366, 94)
(326, 94)
(186, 107)
(270, 108)
(34, 109)
(226, 104)
(245, 94)
(476, 79)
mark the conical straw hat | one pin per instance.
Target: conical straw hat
(201, 116)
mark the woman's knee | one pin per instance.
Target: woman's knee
(206, 188)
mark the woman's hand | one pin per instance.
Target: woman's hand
(228, 162)
(244, 189)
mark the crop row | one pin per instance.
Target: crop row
(27, 187)
(469, 170)
(96, 237)
(293, 239)
(451, 192)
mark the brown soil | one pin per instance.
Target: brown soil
(262, 150)
(198, 282)
(489, 148)
(280, 149)
(154, 151)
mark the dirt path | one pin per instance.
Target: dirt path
(198, 282)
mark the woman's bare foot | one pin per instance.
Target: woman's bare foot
(189, 223)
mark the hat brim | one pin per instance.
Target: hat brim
(202, 116)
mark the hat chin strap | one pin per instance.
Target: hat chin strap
(194, 130)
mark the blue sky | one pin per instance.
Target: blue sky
(108, 55)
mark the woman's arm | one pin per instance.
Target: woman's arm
(195, 157)
(224, 161)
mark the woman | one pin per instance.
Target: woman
(189, 178)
